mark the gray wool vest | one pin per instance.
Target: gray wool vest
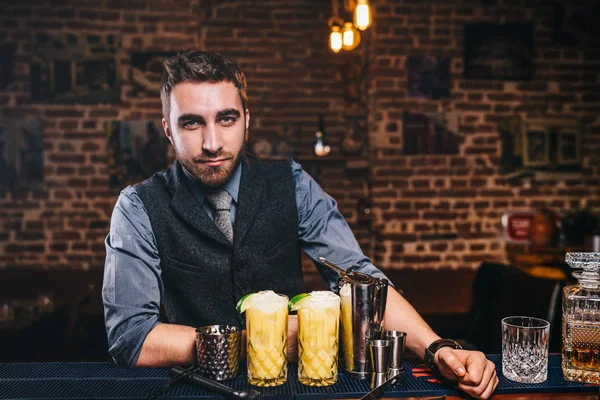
(204, 275)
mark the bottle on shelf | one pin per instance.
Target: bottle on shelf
(321, 147)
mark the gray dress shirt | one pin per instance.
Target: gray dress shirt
(133, 284)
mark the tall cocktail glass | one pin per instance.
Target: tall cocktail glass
(318, 330)
(266, 338)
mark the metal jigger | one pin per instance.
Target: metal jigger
(380, 359)
(397, 341)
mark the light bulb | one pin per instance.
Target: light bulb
(362, 15)
(335, 39)
(350, 36)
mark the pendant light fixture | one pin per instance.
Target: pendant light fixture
(362, 15)
(345, 35)
(335, 23)
(350, 36)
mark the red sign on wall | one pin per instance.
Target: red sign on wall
(517, 226)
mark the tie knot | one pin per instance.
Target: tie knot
(220, 200)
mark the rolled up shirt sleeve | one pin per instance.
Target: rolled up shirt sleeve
(132, 286)
(324, 232)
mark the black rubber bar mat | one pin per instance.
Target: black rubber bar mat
(107, 381)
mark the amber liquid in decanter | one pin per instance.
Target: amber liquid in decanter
(581, 320)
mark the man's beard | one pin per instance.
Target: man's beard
(211, 176)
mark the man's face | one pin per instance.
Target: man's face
(207, 127)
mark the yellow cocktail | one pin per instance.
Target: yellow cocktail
(346, 300)
(318, 325)
(266, 338)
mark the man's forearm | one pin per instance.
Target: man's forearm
(401, 316)
(167, 345)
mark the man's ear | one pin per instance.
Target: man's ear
(167, 130)
(247, 125)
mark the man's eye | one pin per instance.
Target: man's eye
(228, 120)
(190, 124)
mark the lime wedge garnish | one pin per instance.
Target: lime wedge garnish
(297, 301)
(244, 302)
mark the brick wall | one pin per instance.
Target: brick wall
(282, 47)
(420, 198)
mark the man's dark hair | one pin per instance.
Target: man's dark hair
(199, 66)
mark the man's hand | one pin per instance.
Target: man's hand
(476, 374)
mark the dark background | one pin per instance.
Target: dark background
(433, 218)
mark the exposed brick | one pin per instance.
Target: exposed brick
(440, 216)
(416, 199)
(90, 146)
(29, 235)
(103, 113)
(126, 5)
(473, 106)
(63, 113)
(439, 247)
(401, 237)
(67, 158)
(66, 235)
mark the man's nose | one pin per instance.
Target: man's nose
(212, 139)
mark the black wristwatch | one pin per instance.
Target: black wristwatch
(434, 347)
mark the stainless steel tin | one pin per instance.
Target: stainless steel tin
(380, 355)
(397, 346)
(363, 307)
(218, 351)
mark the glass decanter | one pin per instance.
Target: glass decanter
(581, 320)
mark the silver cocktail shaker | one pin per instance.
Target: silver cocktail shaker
(363, 307)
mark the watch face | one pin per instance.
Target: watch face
(435, 346)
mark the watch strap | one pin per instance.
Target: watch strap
(434, 347)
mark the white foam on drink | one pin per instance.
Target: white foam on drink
(323, 295)
(269, 301)
(322, 299)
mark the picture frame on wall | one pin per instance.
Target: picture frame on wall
(568, 147)
(498, 51)
(429, 77)
(21, 153)
(576, 24)
(146, 71)
(6, 66)
(70, 69)
(536, 147)
(136, 149)
(551, 144)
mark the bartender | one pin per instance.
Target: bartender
(220, 224)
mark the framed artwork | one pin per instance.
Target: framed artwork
(551, 144)
(512, 144)
(70, 69)
(428, 77)
(536, 147)
(21, 153)
(146, 71)
(576, 24)
(430, 133)
(6, 66)
(498, 51)
(136, 150)
(568, 147)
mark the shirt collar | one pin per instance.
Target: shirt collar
(232, 186)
